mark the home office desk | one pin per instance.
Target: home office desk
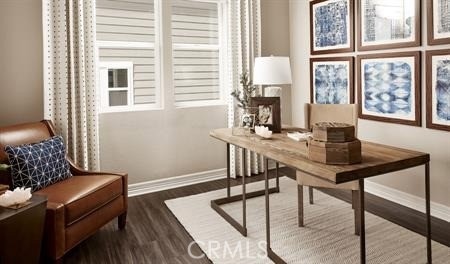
(377, 159)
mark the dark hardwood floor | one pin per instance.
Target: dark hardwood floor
(153, 234)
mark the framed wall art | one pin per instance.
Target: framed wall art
(331, 80)
(268, 113)
(331, 26)
(438, 21)
(389, 87)
(388, 24)
(438, 89)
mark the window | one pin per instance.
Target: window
(197, 52)
(117, 82)
(126, 36)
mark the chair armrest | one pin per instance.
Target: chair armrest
(54, 229)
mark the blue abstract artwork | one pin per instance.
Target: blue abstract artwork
(331, 84)
(388, 88)
(442, 90)
(444, 16)
(330, 24)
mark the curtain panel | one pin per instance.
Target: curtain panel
(244, 42)
(70, 76)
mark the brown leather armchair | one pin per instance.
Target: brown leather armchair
(77, 207)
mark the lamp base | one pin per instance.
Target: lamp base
(272, 91)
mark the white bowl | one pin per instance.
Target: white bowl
(263, 131)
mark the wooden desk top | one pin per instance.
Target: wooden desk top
(376, 158)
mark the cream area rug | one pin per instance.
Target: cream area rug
(328, 235)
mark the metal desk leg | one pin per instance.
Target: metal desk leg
(427, 206)
(244, 202)
(228, 171)
(277, 175)
(300, 205)
(215, 204)
(362, 231)
(274, 257)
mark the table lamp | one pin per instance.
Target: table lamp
(272, 71)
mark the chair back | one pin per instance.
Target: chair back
(18, 135)
(343, 113)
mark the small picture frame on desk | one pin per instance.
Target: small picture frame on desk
(248, 121)
(268, 113)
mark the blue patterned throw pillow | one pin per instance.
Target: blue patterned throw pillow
(38, 165)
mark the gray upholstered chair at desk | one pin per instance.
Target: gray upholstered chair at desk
(314, 113)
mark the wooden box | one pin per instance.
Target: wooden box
(335, 153)
(333, 132)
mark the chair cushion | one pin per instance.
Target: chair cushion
(38, 165)
(81, 195)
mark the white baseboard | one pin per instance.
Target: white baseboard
(437, 210)
(178, 181)
(174, 182)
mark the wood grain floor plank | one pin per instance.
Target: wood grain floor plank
(154, 235)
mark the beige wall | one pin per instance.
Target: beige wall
(275, 41)
(21, 88)
(165, 143)
(435, 142)
(21, 97)
(149, 145)
(152, 145)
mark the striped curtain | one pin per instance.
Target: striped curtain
(70, 76)
(244, 42)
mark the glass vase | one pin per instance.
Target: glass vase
(244, 120)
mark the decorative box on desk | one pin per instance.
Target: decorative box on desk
(334, 143)
(335, 153)
(333, 132)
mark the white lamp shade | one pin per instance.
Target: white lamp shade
(272, 70)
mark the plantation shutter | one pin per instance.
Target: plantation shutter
(126, 32)
(196, 50)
